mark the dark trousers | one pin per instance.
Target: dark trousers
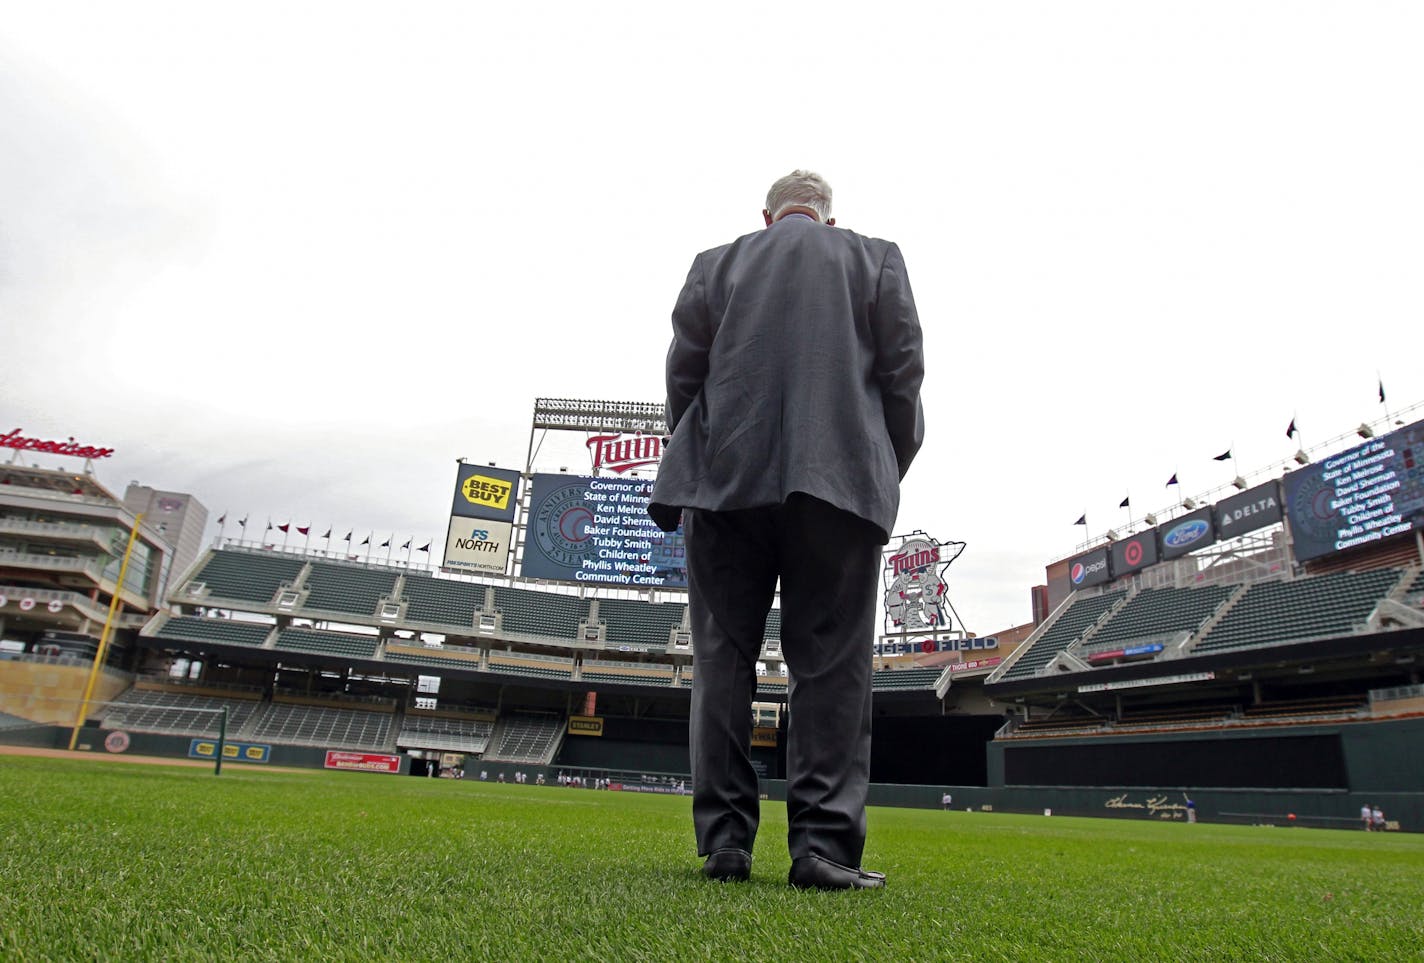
(827, 561)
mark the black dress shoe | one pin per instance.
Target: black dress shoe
(817, 872)
(728, 866)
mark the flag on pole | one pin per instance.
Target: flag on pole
(1290, 432)
(424, 548)
(269, 526)
(284, 528)
(242, 521)
(1082, 519)
(348, 536)
(406, 545)
(222, 519)
(387, 543)
(1172, 481)
(303, 530)
(1381, 388)
(1125, 502)
(1224, 456)
(367, 539)
(327, 535)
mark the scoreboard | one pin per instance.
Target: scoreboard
(1362, 495)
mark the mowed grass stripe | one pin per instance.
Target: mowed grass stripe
(100, 860)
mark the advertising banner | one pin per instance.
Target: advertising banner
(1134, 553)
(970, 666)
(1186, 534)
(477, 545)
(764, 736)
(584, 529)
(585, 725)
(491, 493)
(1252, 509)
(232, 751)
(1090, 568)
(362, 761)
(1362, 495)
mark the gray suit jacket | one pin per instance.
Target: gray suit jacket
(795, 366)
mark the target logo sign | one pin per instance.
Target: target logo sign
(1133, 553)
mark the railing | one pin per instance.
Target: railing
(72, 530)
(1396, 693)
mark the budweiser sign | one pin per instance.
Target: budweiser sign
(15, 440)
(620, 453)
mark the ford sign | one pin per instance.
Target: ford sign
(1186, 533)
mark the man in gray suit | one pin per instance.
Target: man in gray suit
(793, 399)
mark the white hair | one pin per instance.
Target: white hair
(800, 189)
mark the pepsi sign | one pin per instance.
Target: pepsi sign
(1090, 568)
(1187, 534)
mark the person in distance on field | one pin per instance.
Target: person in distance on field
(793, 402)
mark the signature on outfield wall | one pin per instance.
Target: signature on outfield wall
(1154, 806)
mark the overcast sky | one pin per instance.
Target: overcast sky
(298, 258)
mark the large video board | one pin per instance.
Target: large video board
(1362, 495)
(583, 529)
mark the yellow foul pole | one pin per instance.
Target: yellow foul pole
(104, 636)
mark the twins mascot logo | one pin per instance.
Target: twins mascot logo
(916, 596)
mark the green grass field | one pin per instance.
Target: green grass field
(103, 860)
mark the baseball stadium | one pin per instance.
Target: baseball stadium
(1181, 754)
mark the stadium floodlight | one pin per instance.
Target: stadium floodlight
(1301, 458)
(1189, 503)
(1365, 431)
(1239, 482)
(1150, 518)
(1111, 535)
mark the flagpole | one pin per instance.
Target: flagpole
(222, 527)
(288, 532)
(306, 542)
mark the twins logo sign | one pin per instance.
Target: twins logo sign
(915, 596)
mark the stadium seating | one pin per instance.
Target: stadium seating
(773, 685)
(340, 644)
(441, 601)
(176, 713)
(627, 673)
(524, 663)
(773, 626)
(640, 625)
(226, 631)
(248, 576)
(887, 680)
(351, 589)
(1318, 607)
(322, 726)
(526, 738)
(470, 736)
(1158, 611)
(544, 614)
(445, 657)
(1065, 630)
